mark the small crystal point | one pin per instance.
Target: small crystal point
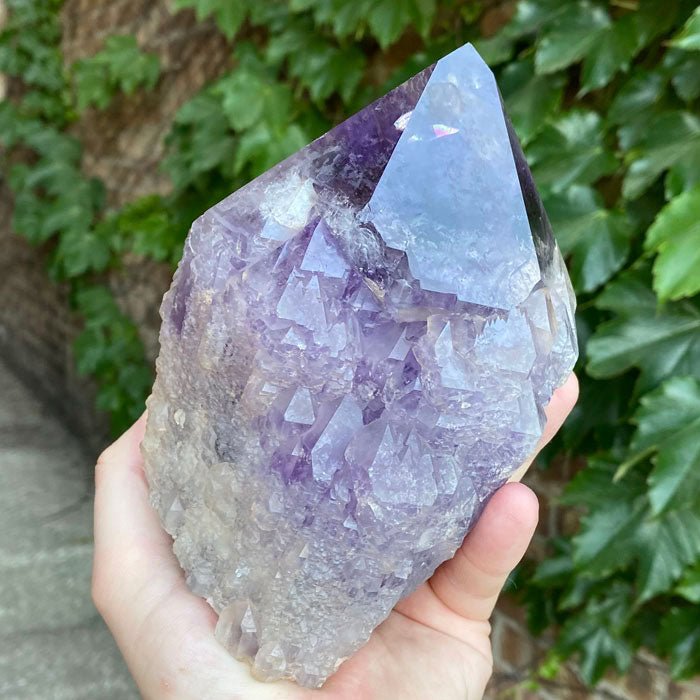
(356, 351)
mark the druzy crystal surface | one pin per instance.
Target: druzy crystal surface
(356, 351)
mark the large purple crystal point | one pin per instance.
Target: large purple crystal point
(356, 352)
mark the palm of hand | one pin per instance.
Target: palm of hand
(435, 644)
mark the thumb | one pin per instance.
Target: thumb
(470, 582)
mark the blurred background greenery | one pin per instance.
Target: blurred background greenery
(604, 96)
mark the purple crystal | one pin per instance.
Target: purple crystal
(356, 352)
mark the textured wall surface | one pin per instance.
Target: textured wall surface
(124, 143)
(37, 329)
(123, 146)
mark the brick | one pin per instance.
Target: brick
(516, 647)
(684, 691)
(496, 17)
(509, 608)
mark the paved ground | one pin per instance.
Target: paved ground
(53, 644)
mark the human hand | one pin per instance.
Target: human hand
(435, 643)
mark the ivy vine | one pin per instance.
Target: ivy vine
(55, 202)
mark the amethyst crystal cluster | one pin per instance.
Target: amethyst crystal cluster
(356, 351)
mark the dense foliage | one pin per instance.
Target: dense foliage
(55, 202)
(604, 96)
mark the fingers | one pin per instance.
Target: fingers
(123, 516)
(470, 583)
(121, 492)
(559, 407)
(137, 584)
(133, 555)
(164, 632)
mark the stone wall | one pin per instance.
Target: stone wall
(124, 143)
(37, 329)
(123, 146)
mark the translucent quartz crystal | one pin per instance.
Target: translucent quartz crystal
(355, 353)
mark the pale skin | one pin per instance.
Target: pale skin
(435, 644)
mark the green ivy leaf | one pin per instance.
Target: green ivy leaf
(50, 142)
(594, 487)
(92, 85)
(620, 530)
(683, 68)
(655, 146)
(597, 416)
(344, 17)
(27, 217)
(680, 639)
(201, 141)
(658, 342)
(571, 150)
(126, 64)
(571, 37)
(553, 571)
(668, 423)
(637, 97)
(261, 147)
(110, 398)
(652, 19)
(388, 19)
(533, 16)
(253, 149)
(229, 15)
(119, 65)
(423, 14)
(675, 238)
(597, 239)
(664, 412)
(88, 348)
(530, 98)
(496, 49)
(97, 306)
(53, 107)
(682, 176)
(248, 98)
(319, 65)
(9, 117)
(686, 80)
(81, 250)
(347, 17)
(612, 50)
(42, 65)
(689, 585)
(146, 228)
(689, 37)
(53, 176)
(598, 633)
(615, 511)
(137, 381)
(585, 32)
(608, 536)
(665, 547)
(111, 348)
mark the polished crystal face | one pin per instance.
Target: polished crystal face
(356, 352)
